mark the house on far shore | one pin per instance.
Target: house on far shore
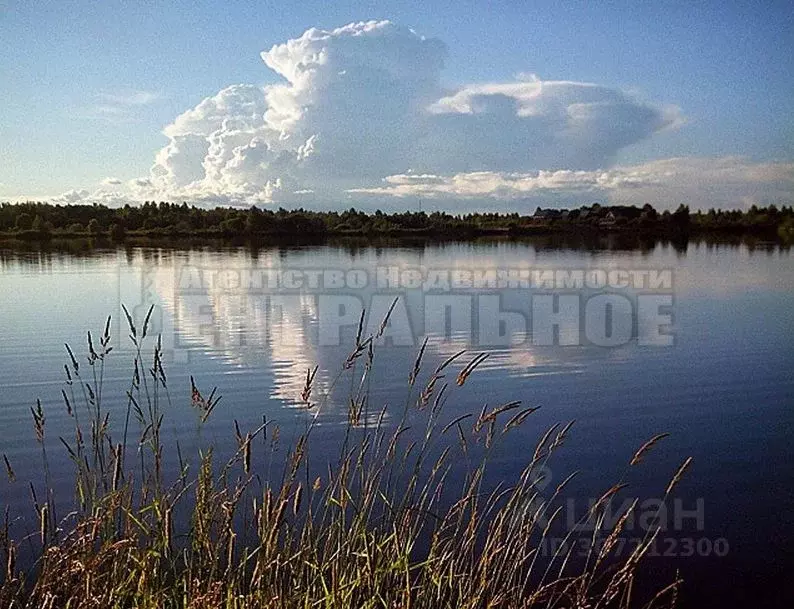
(608, 220)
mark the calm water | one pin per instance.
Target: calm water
(723, 389)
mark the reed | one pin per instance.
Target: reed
(379, 526)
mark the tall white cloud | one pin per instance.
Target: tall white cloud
(366, 101)
(361, 117)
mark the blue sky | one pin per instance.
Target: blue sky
(87, 87)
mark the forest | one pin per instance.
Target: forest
(41, 220)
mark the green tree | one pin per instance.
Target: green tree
(23, 221)
(235, 224)
(681, 216)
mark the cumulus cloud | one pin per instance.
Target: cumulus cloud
(542, 124)
(100, 196)
(361, 116)
(365, 101)
(73, 196)
(700, 182)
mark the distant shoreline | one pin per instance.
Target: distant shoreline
(422, 233)
(40, 222)
(614, 239)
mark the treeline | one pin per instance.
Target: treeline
(36, 220)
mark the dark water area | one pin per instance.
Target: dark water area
(717, 376)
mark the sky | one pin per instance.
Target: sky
(457, 105)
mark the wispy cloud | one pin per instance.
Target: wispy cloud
(121, 107)
(132, 98)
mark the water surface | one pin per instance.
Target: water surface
(723, 389)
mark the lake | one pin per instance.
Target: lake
(692, 340)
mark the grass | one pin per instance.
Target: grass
(378, 525)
